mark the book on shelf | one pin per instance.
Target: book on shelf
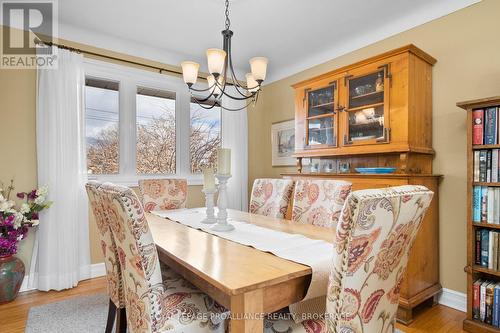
(496, 306)
(486, 126)
(477, 127)
(476, 204)
(492, 250)
(476, 166)
(483, 155)
(494, 165)
(490, 126)
(486, 204)
(478, 247)
(476, 305)
(487, 249)
(485, 246)
(490, 209)
(486, 302)
(488, 315)
(482, 300)
(486, 166)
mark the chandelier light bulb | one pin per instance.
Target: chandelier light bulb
(190, 72)
(252, 85)
(216, 59)
(258, 66)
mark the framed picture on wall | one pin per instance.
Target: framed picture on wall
(283, 143)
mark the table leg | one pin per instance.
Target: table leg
(246, 312)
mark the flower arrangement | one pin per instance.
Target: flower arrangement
(15, 221)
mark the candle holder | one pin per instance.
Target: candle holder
(222, 224)
(209, 203)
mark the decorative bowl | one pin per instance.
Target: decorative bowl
(376, 170)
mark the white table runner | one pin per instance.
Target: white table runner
(314, 253)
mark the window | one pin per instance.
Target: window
(155, 131)
(101, 130)
(205, 136)
(141, 124)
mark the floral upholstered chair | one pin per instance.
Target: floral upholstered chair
(154, 303)
(109, 251)
(373, 238)
(270, 197)
(319, 201)
(163, 194)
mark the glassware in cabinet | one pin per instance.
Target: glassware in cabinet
(367, 108)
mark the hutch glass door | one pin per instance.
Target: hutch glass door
(367, 107)
(321, 120)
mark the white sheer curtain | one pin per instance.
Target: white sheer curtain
(61, 252)
(235, 137)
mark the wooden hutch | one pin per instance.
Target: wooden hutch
(376, 113)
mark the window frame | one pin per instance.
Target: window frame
(129, 79)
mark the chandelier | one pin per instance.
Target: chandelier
(220, 66)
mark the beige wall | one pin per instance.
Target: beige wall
(17, 136)
(467, 48)
(18, 141)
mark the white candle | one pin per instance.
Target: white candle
(224, 161)
(208, 179)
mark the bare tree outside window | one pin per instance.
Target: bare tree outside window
(155, 125)
(205, 137)
(101, 126)
(155, 131)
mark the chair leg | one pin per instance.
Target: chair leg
(111, 316)
(121, 321)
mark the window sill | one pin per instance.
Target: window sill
(192, 180)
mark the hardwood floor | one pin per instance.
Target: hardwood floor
(438, 319)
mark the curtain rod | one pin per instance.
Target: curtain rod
(73, 49)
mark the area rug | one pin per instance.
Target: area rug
(86, 314)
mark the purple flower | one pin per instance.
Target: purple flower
(32, 195)
(34, 216)
(9, 220)
(20, 195)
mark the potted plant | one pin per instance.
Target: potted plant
(15, 221)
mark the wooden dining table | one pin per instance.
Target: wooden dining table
(248, 282)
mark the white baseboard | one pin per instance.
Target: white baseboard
(96, 270)
(453, 299)
(24, 285)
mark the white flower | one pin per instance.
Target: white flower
(42, 191)
(5, 205)
(25, 208)
(39, 200)
(35, 222)
(18, 220)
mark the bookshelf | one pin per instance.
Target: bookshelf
(475, 271)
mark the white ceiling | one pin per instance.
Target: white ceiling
(293, 34)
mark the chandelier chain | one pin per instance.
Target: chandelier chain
(228, 21)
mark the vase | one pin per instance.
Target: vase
(11, 277)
